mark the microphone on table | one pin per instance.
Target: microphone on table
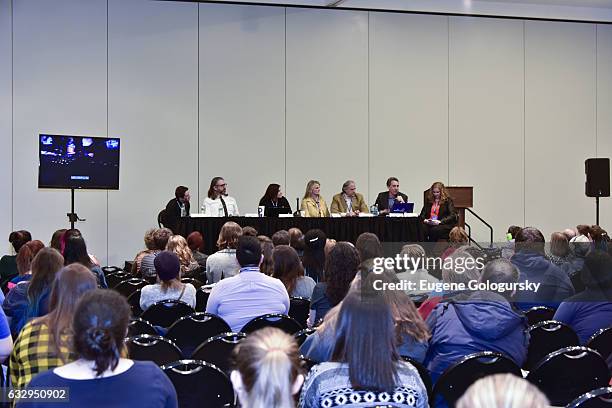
(297, 212)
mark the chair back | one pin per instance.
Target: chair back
(287, 324)
(601, 342)
(301, 336)
(218, 349)
(566, 374)
(139, 326)
(166, 312)
(539, 314)
(116, 278)
(546, 337)
(162, 219)
(107, 270)
(154, 348)
(599, 398)
(453, 383)
(423, 373)
(189, 332)
(134, 302)
(299, 308)
(196, 283)
(200, 384)
(129, 286)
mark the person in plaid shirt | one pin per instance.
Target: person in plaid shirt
(41, 344)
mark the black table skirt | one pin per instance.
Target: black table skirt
(388, 229)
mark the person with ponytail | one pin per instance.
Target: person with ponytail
(100, 377)
(42, 344)
(267, 370)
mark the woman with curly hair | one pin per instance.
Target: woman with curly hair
(189, 266)
(340, 269)
(438, 214)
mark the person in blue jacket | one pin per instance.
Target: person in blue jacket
(591, 310)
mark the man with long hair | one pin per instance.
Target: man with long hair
(218, 203)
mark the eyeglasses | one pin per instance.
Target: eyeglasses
(221, 185)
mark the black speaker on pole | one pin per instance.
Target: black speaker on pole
(597, 177)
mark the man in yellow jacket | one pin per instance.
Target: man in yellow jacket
(349, 201)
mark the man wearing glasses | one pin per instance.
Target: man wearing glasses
(218, 203)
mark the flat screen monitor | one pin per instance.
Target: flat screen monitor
(82, 162)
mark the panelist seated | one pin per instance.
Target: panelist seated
(177, 207)
(218, 203)
(387, 199)
(438, 214)
(313, 203)
(349, 201)
(274, 201)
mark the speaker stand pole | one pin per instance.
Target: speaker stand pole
(72, 217)
(596, 210)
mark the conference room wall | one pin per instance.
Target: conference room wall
(59, 83)
(486, 119)
(604, 116)
(559, 122)
(153, 107)
(408, 102)
(6, 107)
(327, 100)
(242, 100)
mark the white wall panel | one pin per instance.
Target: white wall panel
(6, 113)
(486, 119)
(408, 102)
(559, 123)
(604, 111)
(153, 85)
(242, 100)
(59, 88)
(327, 100)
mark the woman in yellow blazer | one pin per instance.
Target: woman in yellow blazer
(349, 201)
(313, 204)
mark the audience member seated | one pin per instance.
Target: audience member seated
(280, 238)
(314, 254)
(267, 370)
(30, 299)
(223, 263)
(365, 364)
(600, 238)
(249, 294)
(561, 255)
(507, 249)
(458, 268)
(503, 391)
(75, 233)
(590, 310)
(296, 240)
(369, 247)
(6, 340)
(249, 231)
(569, 233)
(169, 286)
(195, 241)
(457, 237)
(485, 321)
(340, 269)
(313, 204)
(412, 274)
(24, 262)
(189, 266)
(149, 240)
(43, 344)
(438, 214)
(288, 268)
(348, 201)
(76, 251)
(56, 239)
(411, 331)
(161, 236)
(583, 231)
(274, 201)
(8, 263)
(534, 267)
(101, 377)
(267, 247)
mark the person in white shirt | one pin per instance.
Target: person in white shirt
(218, 203)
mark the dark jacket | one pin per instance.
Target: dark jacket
(447, 214)
(555, 286)
(462, 328)
(282, 207)
(173, 214)
(383, 200)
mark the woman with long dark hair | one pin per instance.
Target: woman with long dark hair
(314, 254)
(289, 269)
(274, 201)
(75, 250)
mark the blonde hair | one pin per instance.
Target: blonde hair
(268, 363)
(458, 236)
(309, 187)
(149, 238)
(229, 234)
(502, 391)
(179, 246)
(443, 192)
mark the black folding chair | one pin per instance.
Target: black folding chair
(161, 218)
(566, 374)
(116, 278)
(129, 286)
(148, 347)
(195, 282)
(189, 332)
(299, 309)
(134, 302)
(218, 349)
(423, 373)
(599, 398)
(166, 312)
(453, 383)
(546, 337)
(200, 384)
(301, 336)
(601, 342)
(107, 270)
(139, 326)
(280, 321)
(539, 314)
